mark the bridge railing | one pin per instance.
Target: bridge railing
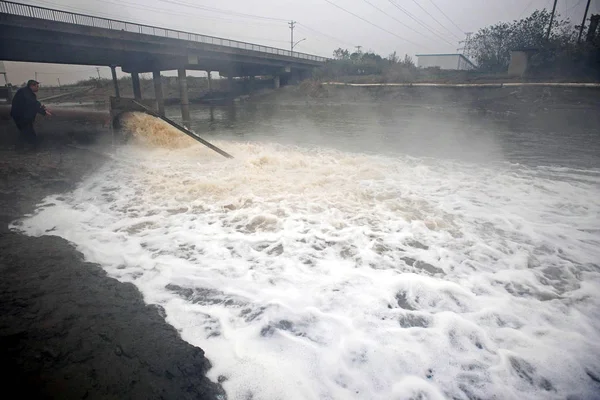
(24, 10)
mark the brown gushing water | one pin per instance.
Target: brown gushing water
(153, 132)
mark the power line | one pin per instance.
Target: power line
(419, 21)
(447, 17)
(110, 16)
(396, 19)
(574, 7)
(141, 21)
(312, 51)
(435, 19)
(266, 40)
(526, 8)
(333, 38)
(163, 11)
(152, 9)
(218, 10)
(370, 23)
(430, 29)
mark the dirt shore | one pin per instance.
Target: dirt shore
(67, 331)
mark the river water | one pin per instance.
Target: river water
(360, 250)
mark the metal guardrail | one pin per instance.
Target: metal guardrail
(24, 10)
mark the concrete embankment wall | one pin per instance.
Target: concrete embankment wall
(514, 97)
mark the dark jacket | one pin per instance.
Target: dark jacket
(25, 106)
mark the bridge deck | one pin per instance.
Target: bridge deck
(38, 34)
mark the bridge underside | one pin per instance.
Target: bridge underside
(35, 40)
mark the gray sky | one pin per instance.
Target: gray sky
(324, 26)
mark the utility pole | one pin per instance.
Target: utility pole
(358, 49)
(591, 33)
(552, 20)
(58, 79)
(98, 70)
(466, 49)
(36, 76)
(587, 8)
(292, 25)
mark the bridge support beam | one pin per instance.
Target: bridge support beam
(209, 81)
(158, 92)
(113, 70)
(277, 81)
(183, 95)
(137, 89)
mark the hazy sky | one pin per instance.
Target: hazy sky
(326, 27)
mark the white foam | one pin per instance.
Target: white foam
(317, 274)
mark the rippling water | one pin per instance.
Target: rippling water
(359, 251)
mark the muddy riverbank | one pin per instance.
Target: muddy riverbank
(67, 330)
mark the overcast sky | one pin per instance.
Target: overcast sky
(436, 26)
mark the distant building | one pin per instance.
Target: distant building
(445, 61)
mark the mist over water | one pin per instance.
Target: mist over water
(520, 134)
(358, 251)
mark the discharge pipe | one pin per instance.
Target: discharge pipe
(188, 132)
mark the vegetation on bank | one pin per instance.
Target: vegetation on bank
(556, 57)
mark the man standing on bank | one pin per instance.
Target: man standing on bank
(25, 108)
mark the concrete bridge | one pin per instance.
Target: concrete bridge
(37, 34)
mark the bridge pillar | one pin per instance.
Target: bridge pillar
(297, 76)
(113, 70)
(230, 83)
(137, 89)
(277, 81)
(183, 95)
(158, 92)
(209, 81)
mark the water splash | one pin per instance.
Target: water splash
(319, 274)
(153, 132)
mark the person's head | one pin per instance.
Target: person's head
(33, 85)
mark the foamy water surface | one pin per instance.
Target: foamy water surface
(312, 273)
